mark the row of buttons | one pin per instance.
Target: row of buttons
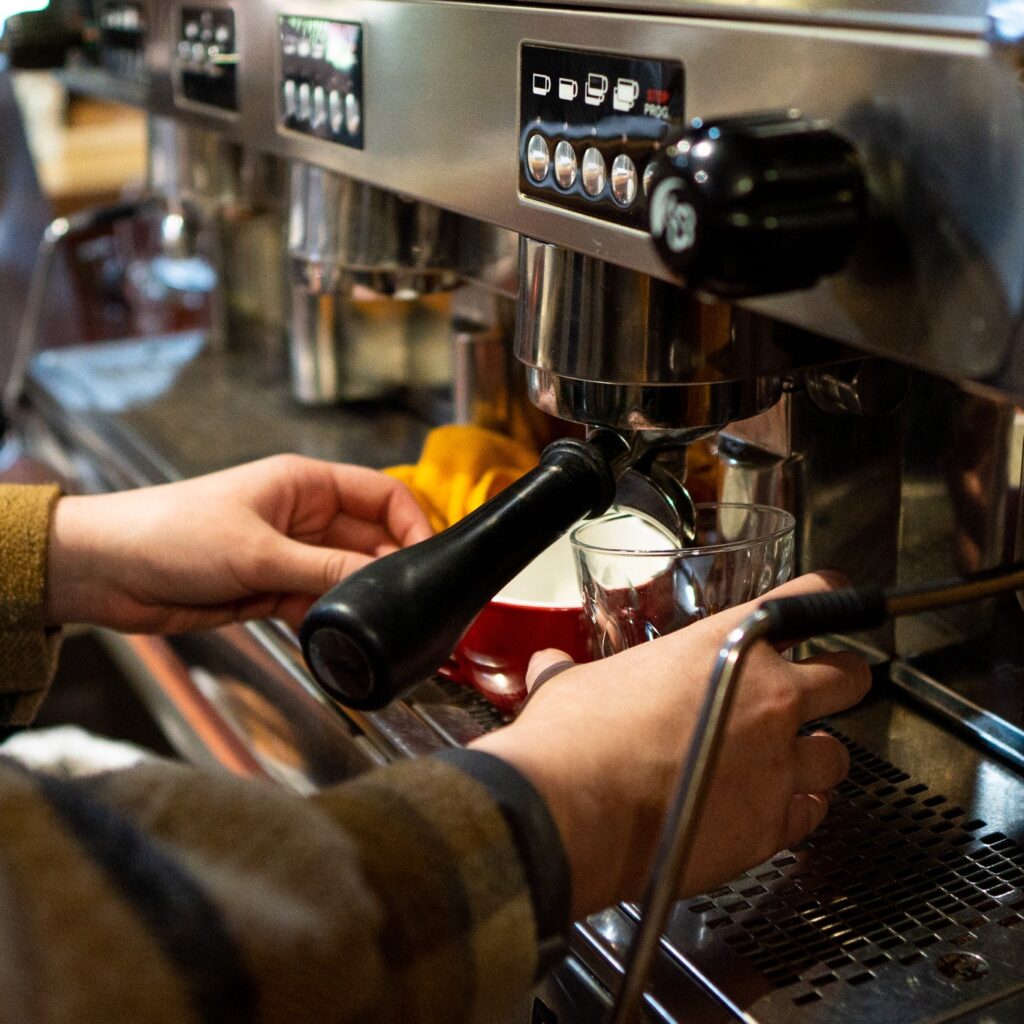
(204, 56)
(592, 170)
(206, 33)
(303, 47)
(122, 19)
(315, 106)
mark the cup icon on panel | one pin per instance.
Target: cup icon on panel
(597, 89)
(627, 90)
(541, 85)
(568, 89)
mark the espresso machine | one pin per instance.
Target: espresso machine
(792, 233)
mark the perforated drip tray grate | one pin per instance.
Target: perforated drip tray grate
(897, 909)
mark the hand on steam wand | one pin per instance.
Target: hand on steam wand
(603, 743)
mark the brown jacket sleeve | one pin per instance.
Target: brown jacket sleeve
(28, 652)
(171, 896)
(164, 894)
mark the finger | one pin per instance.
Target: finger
(544, 665)
(822, 762)
(291, 567)
(352, 534)
(805, 813)
(810, 583)
(369, 495)
(832, 682)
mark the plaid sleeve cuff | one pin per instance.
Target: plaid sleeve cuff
(537, 840)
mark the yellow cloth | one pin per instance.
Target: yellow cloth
(462, 467)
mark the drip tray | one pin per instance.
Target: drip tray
(900, 908)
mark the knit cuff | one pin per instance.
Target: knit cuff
(536, 837)
(28, 651)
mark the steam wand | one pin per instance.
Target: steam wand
(781, 619)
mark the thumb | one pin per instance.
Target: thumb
(545, 665)
(291, 567)
(805, 813)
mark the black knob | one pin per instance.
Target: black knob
(41, 39)
(757, 204)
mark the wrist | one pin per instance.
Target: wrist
(74, 569)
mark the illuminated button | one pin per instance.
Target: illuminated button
(319, 106)
(565, 164)
(305, 103)
(648, 175)
(538, 157)
(291, 107)
(353, 115)
(304, 48)
(222, 35)
(624, 180)
(192, 30)
(318, 51)
(198, 53)
(184, 50)
(288, 47)
(593, 172)
(337, 111)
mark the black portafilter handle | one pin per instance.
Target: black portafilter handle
(384, 629)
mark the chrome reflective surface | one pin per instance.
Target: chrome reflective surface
(603, 344)
(24, 215)
(538, 156)
(950, 229)
(650, 407)
(387, 243)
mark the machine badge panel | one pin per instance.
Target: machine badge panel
(207, 57)
(321, 88)
(589, 126)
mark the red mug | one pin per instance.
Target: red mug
(540, 608)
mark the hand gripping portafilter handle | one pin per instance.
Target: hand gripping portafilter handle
(389, 626)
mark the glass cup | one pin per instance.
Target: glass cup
(638, 583)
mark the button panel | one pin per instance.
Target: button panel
(321, 87)
(122, 38)
(602, 117)
(207, 57)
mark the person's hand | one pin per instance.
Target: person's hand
(603, 743)
(261, 540)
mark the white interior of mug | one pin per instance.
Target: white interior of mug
(549, 581)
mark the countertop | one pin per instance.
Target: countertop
(187, 409)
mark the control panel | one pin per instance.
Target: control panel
(589, 127)
(122, 38)
(207, 57)
(321, 83)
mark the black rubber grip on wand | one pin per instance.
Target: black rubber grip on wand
(387, 627)
(848, 610)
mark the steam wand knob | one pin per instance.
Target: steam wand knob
(757, 204)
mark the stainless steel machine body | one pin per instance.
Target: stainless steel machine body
(909, 904)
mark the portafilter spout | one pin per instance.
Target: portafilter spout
(384, 629)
